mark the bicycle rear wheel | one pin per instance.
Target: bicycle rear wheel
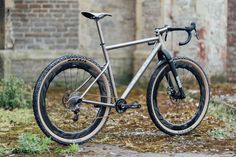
(175, 115)
(61, 80)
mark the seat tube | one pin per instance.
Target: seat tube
(105, 53)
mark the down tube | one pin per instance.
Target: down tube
(141, 71)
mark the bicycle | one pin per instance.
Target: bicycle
(73, 95)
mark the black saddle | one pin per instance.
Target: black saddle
(95, 16)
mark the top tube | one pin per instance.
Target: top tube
(131, 43)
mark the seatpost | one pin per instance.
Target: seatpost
(100, 32)
(101, 37)
(105, 53)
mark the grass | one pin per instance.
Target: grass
(4, 151)
(228, 116)
(17, 117)
(71, 149)
(30, 143)
(14, 93)
(219, 133)
(17, 121)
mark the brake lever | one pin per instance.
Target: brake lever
(196, 34)
(193, 24)
(166, 36)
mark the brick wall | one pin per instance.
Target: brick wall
(231, 45)
(116, 29)
(2, 24)
(39, 31)
(45, 24)
(40, 26)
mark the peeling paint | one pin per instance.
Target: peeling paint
(202, 33)
(175, 54)
(223, 54)
(202, 52)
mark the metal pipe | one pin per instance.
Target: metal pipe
(97, 103)
(131, 43)
(104, 69)
(141, 71)
(83, 83)
(105, 53)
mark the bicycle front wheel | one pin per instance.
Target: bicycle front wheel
(64, 78)
(172, 115)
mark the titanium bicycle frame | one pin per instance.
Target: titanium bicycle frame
(159, 47)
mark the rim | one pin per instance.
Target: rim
(192, 123)
(60, 134)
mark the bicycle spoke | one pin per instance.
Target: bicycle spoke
(179, 111)
(65, 80)
(84, 82)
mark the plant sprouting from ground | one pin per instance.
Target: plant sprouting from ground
(29, 143)
(219, 133)
(71, 149)
(14, 93)
(227, 115)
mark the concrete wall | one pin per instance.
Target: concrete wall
(54, 27)
(36, 32)
(27, 64)
(116, 29)
(211, 18)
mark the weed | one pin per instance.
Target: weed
(219, 111)
(14, 93)
(2, 151)
(219, 133)
(29, 143)
(71, 149)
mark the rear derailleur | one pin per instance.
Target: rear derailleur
(72, 101)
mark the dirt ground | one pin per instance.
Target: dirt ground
(134, 134)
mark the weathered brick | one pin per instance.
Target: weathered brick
(56, 35)
(61, 41)
(33, 6)
(21, 6)
(40, 24)
(48, 29)
(35, 47)
(72, 47)
(231, 44)
(47, 6)
(40, 10)
(37, 34)
(72, 34)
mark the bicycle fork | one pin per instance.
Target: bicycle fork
(170, 61)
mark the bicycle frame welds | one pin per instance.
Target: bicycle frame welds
(158, 47)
